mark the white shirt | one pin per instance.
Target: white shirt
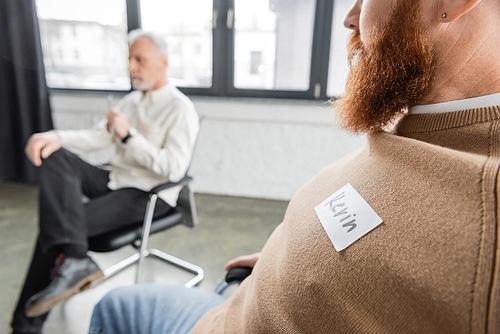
(164, 126)
(476, 102)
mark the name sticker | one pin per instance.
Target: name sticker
(346, 217)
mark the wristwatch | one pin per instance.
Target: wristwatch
(124, 139)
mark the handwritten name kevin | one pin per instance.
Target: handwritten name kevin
(341, 212)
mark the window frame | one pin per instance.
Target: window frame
(223, 56)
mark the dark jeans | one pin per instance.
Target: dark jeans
(65, 219)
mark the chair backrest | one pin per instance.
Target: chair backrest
(185, 204)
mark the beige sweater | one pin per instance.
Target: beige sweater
(432, 266)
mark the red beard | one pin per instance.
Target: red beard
(395, 73)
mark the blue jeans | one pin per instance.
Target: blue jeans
(152, 308)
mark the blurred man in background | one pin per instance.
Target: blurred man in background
(153, 130)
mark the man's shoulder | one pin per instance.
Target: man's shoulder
(176, 101)
(179, 97)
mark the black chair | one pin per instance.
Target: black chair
(183, 213)
(235, 275)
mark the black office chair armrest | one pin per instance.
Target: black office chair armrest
(238, 274)
(234, 276)
(182, 182)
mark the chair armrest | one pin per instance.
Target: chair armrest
(234, 276)
(182, 182)
(238, 274)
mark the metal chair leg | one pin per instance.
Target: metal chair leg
(143, 252)
(181, 264)
(121, 265)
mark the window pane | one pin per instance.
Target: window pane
(84, 43)
(273, 44)
(186, 26)
(338, 68)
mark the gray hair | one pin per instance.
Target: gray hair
(158, 41)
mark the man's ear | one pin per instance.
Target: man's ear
(450, 10)
(164, 60)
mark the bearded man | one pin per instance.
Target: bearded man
(400, 236)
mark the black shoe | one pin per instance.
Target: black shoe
(72, 276)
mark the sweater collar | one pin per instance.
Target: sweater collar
(429, 122)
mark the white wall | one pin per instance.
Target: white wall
(264, 148)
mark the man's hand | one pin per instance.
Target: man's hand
(243, 261)
(117, 123)
(42, 145)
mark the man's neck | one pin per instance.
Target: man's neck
(159, 84)
(468, 58)
(461, 83)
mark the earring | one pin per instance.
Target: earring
(444, 15)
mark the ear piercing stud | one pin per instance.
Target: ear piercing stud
(444, 15)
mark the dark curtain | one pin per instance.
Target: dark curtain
(24, 97)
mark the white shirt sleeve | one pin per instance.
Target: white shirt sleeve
(86, 140)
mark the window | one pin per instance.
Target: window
(256, 66)
(282, 31)
(94, 42)
(338, 69)
(247, 48)
(186, 26)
